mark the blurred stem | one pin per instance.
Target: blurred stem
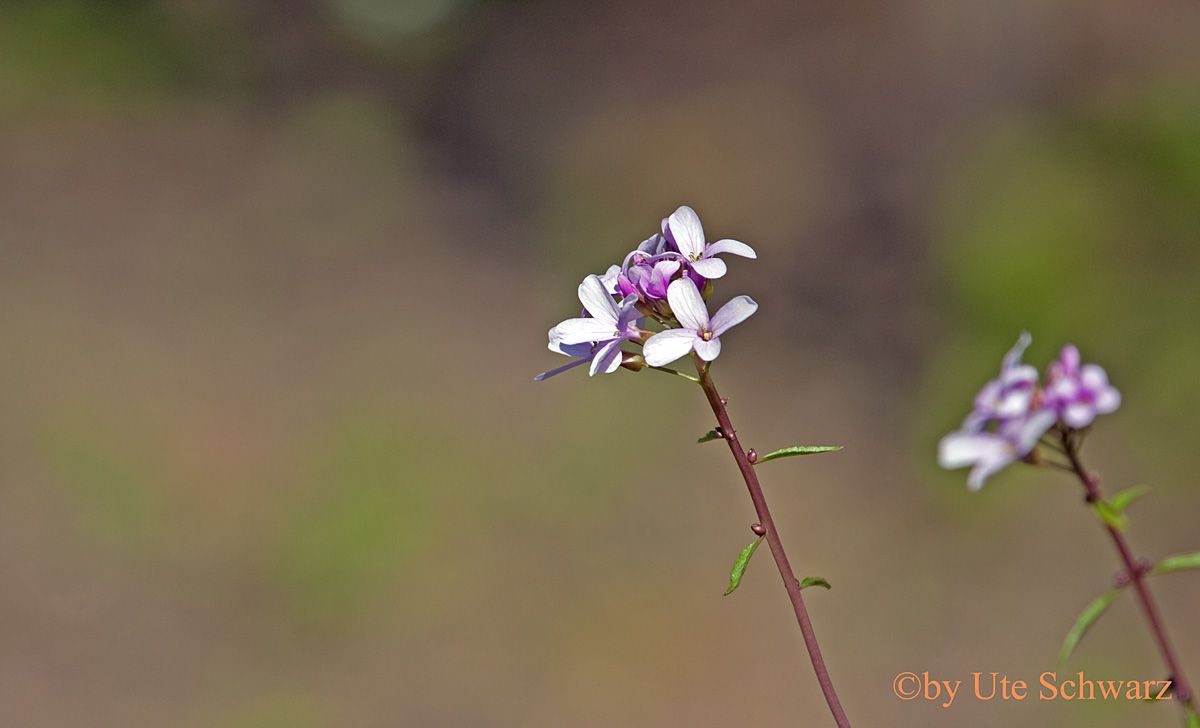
(729, 434)
(1137, 578)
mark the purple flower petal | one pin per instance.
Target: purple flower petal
(655, 284)
(667, 346)
(555, 372)
(1079, 393)
(685, 228)
(625, 286)
(667, 268)
(733, 313)
(687, 304)
(608, 359)
(1069, 359)
(1019, 374)
(709, 267)
(597, 301)
(707, 350)
(629, 316)
(1013, 357)
(733, 247)
(582, 349)
(1024, 437)
(653, 245)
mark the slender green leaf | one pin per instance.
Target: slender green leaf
(1193, 718)
(789, 452)
(709, 436)
(1125, 498)
(1109, 515)
(739, 566)
(1178, 562)
(1087, 618)
(814, 581)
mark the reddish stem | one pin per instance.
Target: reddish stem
(772, 536)
(1136, 576)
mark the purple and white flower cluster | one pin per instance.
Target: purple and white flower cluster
(1013, 411)
(666, 280)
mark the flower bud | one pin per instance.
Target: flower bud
(632, 362)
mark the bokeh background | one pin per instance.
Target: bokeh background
(276, 276)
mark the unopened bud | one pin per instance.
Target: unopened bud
(752, 456)
(720, 433)
(632, 362)
(758, 529)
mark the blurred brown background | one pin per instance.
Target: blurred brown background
(276, 277)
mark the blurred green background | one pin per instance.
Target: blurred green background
(276, 277)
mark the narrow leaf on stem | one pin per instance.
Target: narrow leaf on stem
(1087, 618)
(1178, 562)
(739, 566)
(789, 452)
(709, 436)
(1109, 516)
(808, 581)
(1125, 498)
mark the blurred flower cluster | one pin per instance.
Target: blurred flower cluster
(1013, 411)
(663, 283)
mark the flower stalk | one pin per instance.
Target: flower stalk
(1135, 574)
(767, 525)
(1017, 418)
(657, 300)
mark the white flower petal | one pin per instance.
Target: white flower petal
(986, 468)
(709, 267)
(667, 346)
(734, 312)
(579, 330)
(1108, 400)
(1093, 376)
(1015, 404)
(1019, 374)
(609, 279)
(1079, 414)
(687, 231)
(707, 350)
(960, 449)
(733, 247)
(597, 301)
(687, 304)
